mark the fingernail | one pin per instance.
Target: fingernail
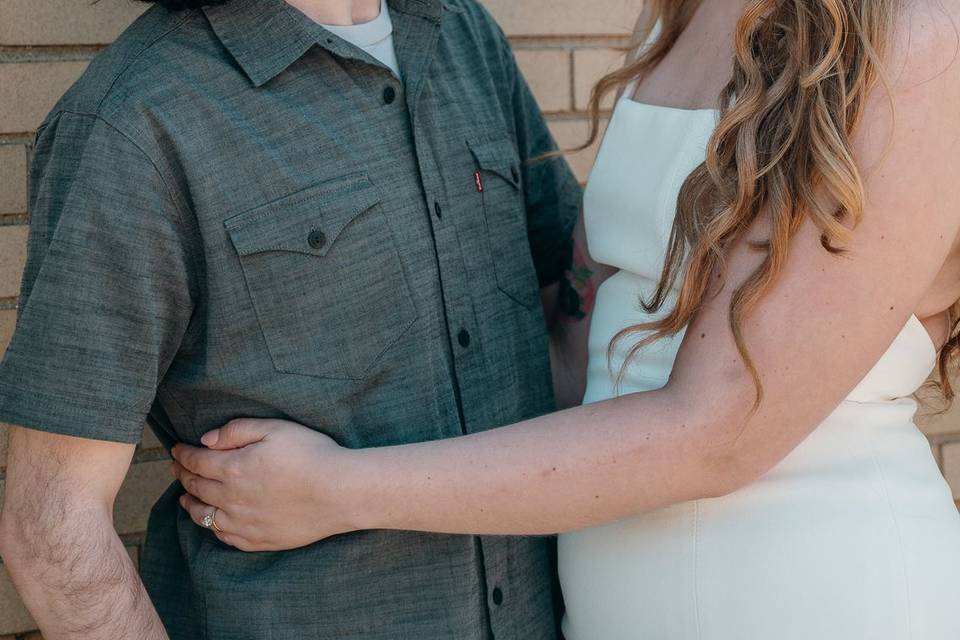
(210, 438)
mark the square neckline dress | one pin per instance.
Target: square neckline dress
(853, 535)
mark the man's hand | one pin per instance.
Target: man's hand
(59, 544)
(275, 484)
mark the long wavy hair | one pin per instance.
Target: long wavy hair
(802, 72)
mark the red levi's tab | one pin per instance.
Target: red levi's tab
(478, 179)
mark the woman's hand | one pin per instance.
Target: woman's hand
(276, 485)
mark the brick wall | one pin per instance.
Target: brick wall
(562, 46)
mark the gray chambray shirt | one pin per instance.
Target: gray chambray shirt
(235, 213)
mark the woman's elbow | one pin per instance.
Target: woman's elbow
(723, 473)
(719, 461)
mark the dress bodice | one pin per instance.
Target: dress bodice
(629, 209)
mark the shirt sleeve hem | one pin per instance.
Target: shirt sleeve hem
(69, 416)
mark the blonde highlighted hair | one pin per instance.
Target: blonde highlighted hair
(802, 72)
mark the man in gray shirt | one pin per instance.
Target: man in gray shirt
(235, 212)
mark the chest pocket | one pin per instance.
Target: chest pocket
(325, 278)
(504, 210)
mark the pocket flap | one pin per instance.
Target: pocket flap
(497, 156)
(308, 221)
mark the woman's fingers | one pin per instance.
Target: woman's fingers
(205, 462)
(198, 510)
(237, 434)
(208, 491)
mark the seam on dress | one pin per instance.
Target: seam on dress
(696, 561)
(896, 528)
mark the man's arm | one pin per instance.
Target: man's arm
(568, 306)
(58, 541)
(104, 305)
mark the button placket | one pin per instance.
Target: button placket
(458, 301)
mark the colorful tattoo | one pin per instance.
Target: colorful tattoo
(577, 292)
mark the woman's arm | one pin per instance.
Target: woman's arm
(813, 338)
(826, 323)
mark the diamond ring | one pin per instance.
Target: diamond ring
(210, 521)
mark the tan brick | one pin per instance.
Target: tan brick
(30, 89)
(149, 440)
(589, 65)
(143, 485)
(65, 21)
(548, 73)
(13, 178)
(13, 254)
(947, 422)
(570, 17)
(8, 318)
(932, 419)
(14, 617)
(570, 134)
(134, 553)
(950, 453)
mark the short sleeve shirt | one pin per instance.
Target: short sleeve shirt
(236, 213)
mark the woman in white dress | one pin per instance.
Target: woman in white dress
(785, 261)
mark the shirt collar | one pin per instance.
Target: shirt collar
(429, 9)
(264, 36)
(267, 36)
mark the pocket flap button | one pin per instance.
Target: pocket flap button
(316, 239)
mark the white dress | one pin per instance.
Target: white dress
(853, 536)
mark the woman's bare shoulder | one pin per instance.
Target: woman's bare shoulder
(926, 44)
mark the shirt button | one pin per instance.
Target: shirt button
(316, 239)
(464, 338)
(437, 210)
(389, 95)
(497, 596)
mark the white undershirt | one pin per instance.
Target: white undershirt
(374, 37)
